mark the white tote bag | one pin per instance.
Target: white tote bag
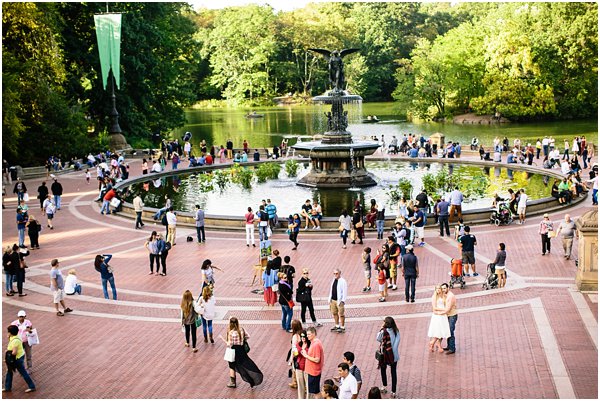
(229, 354)
(33, 338)
(114, 202)
(26, 197)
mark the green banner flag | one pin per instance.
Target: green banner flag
(108, 33)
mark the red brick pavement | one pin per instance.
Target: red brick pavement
(139, 352)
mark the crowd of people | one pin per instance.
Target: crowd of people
(394, 256)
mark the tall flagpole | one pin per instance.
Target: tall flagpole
(108, 34)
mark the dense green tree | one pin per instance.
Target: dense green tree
(158, 62)
(318, 25)
(34, 105)
(239, 48)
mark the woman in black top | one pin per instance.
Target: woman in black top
(285, 296)
(16, 257)
(33, 230)
(304, 296)
(9, 271)
(357, 222)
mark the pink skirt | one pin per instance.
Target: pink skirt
(270, 296)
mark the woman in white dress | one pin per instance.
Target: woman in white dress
(439, 328)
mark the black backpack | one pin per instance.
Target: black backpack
(164, 220)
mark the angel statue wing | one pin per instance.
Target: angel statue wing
(345, 52)
(324, 52)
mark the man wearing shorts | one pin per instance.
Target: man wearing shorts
(468, 243)
(57, 286)
(337, 300)
(419, 224)
(394, 254)
(315, 359)
(307, 213)
(521, 206)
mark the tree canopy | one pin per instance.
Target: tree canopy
(524, 60)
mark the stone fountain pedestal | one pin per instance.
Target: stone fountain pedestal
(337, 161)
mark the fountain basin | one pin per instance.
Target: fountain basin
(340, 165)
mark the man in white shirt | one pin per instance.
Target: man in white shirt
(337, 300)
(456, 198)
(138, 207)
(156, 167)
(348, 383)
(521, 206)
(545, 145)
(171, 225)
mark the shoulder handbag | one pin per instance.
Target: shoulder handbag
(359, 224)
(246, 345)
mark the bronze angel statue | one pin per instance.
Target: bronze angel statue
(336, 65)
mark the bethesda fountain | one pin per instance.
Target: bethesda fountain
(336, 160)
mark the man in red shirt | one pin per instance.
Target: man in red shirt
(208, 159)
(106, 201)
(315, 359)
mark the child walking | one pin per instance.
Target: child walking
(88, 176)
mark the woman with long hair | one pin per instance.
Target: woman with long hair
(357, 221)
(439, 328)
(293, 353)
(144, 166)
(389, 340)
(152, 247)
(242, 364)
(269, 278)
(101, 266)
(345, 225)
(188, 319)
(372, 214)
(9, 271)
(299, 363)
(207, 305)
(285, 296)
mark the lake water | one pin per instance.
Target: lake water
(216, 125)
(185, 192)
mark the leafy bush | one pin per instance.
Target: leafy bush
(205, 182)
(402, 189)
(220, 179)
(267, 171)
(241, 175)
(291, 168)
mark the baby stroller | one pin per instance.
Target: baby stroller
(501, 214)
(456, 273)
(491, 279)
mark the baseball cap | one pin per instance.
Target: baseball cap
(546, 215)
(21, 313)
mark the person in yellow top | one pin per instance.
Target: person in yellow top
(15, 346)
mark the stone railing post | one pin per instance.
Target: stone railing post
(587, 270)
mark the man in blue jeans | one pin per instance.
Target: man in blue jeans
(451, 312)
(410, 272)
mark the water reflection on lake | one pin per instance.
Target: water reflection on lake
(217, 125)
